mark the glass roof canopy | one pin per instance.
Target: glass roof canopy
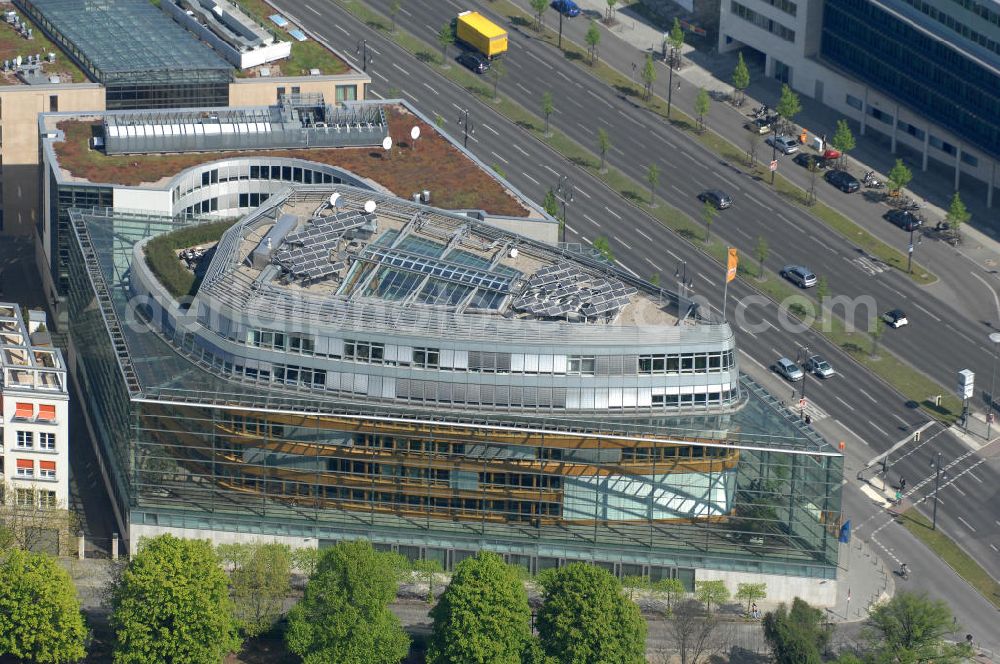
(155, 371)
(119, 41)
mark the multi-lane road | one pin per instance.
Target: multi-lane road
(940, 339)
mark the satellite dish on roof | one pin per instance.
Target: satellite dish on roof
(335, 201)
(370, 206)
(17, 61)
(387, 143)
(415, 133)
(513, 252)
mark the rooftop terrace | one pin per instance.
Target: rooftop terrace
(23, 366)
(13, 43)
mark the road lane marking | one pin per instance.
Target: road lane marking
(526, 90)
(967, 524)
(993, 546)
(372, 49)
(570, 229)
(376, 94)
(710, 282)
(689, 156)
(664, 139)
(955, 487)
(400, 69)
(848, 430)
(403, 9)
(621, 242)
(846, 405)
(655, 266)
(742, 232)
(996, 300)
(499, 157)
(581, 191)
(550, 169)
(672, 255)
(744, 331)
(431, 89)
(630, 119)
(600, 99)
(674, 187)
(776, 352)
(973, 476)
(587, 217)
(532, 55)
(559, 72)
(574, 102)
(380, 76)
(613, 213)
(639, 231)
(489, 128)
(902, 421)
(313, 10)
(434, 30)
(622, 265)
(585, 127)
(531, 178)
(518, 148)
(614, 149)
(927, 312)
(460, 109)
(418, 101)
(878, 428)
(870, 397)
(342, 30)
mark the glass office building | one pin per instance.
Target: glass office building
(941, 58)
(437, 386)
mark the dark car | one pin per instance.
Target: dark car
(759, 125)
(719, 199)
(895, 318)
(843, 180)
(803, 159)
(904, 219)
(566, 8)
(474, 61)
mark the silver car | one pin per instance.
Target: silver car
(819, 366)
(788, 369)
(799, 275)
(784, 144)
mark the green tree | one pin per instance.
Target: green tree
(653, 180)
(911, 628)
(548, 107)
(603, 247)
(672, 588)
(822, 292)
(538, 6)
(740, 79)
(610, 16)
(958, 214)
(899, 177)
(843, 139)
(676, 40)
(344, 614)
(813, 167)
(483, 616)
(711, 592)
(708, 212)
(261, 580)
(762, 250)
(633, 583)
(171, 603)
(497, 70)
(305, 560)
(788, 105)
(603, 144)
(702, 102)
(41, 619)
(751, 592)
(446, 37)
(394, 8)
(593, 40)
(551, 204)
(796, 636)
(586, 618)
(648, 77)
(427, 570)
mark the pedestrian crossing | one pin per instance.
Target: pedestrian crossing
(814, 412)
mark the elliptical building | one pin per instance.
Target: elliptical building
(354, 364)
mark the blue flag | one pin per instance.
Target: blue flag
(845, 532)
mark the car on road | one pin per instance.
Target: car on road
(904, 219)
(799, 275)
(788, 370)
(803, 159)
(843, 180)
(895, 318)
(719, 199)
(758, 125)
(784, 144)
(566, 8)
(474, 61)
(819, 366)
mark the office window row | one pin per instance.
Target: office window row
(244, 171)
(35, 498)
(25, 469)
(762, 22)
(26, 440)
(686, 363)
(786, 6)
(948, 19)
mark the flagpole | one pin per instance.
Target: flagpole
(725, 299)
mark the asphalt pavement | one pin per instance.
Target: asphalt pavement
(854, 400)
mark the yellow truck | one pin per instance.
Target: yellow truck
(480, 33)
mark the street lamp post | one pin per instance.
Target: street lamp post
(670, 88)
(804, 355)
(467, 126)
(774, 151)
(564, 192)
(362, 50)
(995, 338)
(937, 484)
(681, 273)
(909, 254)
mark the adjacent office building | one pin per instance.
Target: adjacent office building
(355, 364)
(924, 73)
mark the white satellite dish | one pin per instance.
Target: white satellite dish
(370, 206)
(415, 133)
(387, 143)
(513, 252)
(17, 61)
(335, 201)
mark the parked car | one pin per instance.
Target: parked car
(798, 275)
(784, 144)
(819, 366)
(803, 159)
(788, 369)
(566, 8)
(759, 125)
(830, 154)
(904, 219)
(843, 180)
(719, 199)
(895, 318)
(474, 61)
